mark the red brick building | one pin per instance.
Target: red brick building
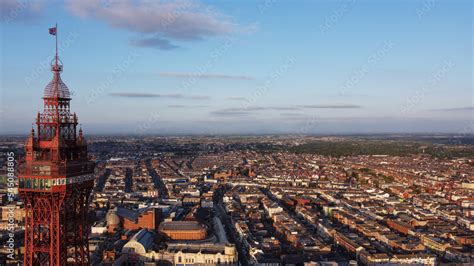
(399, 226)
(148, 218)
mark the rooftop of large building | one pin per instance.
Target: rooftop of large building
(181, 225)
(141, 242)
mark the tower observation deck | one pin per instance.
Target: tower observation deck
(55, 181)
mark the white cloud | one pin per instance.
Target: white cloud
(160, 21)
(331, 106)
(16, 10)
(156, 95)
(156, 42)
(205, 76)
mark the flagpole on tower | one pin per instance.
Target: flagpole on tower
(54, 31)
(56, 43)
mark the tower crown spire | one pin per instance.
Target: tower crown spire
(56, 88)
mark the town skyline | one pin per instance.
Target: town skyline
(315, 133)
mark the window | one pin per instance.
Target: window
(47, 184)
(43, 170)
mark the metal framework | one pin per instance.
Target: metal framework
(56, 179)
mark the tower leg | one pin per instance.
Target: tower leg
(43, 231)
(29, 233)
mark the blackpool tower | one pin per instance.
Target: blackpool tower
(55, 181)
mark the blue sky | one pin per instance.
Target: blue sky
(191, 67)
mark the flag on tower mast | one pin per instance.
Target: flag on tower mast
(52, 31)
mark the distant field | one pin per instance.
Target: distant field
(383, 147)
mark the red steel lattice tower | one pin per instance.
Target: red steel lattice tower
(55, 182)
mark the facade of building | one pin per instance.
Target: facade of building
(203, 254)
(140, 250)
(148, 218)
(189, 254)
